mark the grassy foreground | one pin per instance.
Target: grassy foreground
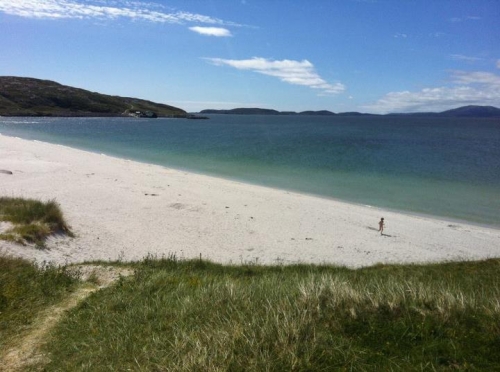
(198, 316)
(25, 290)
(33, 221)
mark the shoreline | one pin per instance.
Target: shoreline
(461, 190)
(456, 220)
(125, 209)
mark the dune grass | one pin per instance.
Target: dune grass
(25, 290)
(200, 316)
(33, 221)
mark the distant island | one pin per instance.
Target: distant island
(465, 111)
(24, 96)
(261, 111)
(21, 96)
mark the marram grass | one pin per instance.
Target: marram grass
(199, 316)
(33, 221)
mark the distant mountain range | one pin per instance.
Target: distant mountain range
(465, 111)
(20, 96)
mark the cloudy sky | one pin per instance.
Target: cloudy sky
(374, 56)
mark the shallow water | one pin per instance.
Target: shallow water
(444, 167)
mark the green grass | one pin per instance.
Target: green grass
(200, 316)
(24, 291)
(33, 220)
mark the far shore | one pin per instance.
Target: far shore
(125, 210)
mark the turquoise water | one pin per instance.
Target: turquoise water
(444, 167)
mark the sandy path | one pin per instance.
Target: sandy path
(26, 349)
(122, 209)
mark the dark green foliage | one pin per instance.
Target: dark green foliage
(33, 97)
(196, 315)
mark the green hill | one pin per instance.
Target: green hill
(20, 96)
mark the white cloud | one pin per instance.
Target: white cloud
(484, 79)
(211, 31)
(498, 63)
(289, 71)
(77, 9)
(467, 88)
(467, 18)
(460, 57)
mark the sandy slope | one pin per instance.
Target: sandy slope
(124, 209)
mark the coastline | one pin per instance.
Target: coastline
(122, 209)
(274, 155)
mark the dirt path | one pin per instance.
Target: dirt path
(25, 350)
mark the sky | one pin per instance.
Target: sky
(375, 56)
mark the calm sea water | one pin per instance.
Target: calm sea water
(444, 167)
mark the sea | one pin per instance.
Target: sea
(441, 167)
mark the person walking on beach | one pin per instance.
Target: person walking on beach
(381, 225)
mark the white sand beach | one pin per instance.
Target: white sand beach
(122, 209)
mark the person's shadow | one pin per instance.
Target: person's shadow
(375, 229)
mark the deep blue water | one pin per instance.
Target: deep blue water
(444, 167)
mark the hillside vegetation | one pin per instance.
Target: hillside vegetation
(20, 96)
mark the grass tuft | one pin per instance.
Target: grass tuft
(33, 220)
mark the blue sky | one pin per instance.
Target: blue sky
(375, 56)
